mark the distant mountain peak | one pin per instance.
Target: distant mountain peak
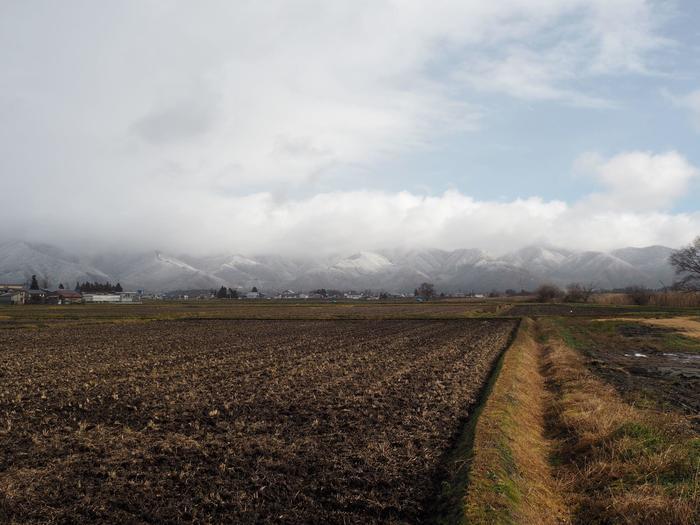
(367, 262)
(468, 269)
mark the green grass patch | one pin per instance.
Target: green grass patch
(636, 439)
(682, 342)
(583, 334)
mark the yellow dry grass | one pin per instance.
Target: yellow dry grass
(556, 444)
(621, 464)
(687, 326)
(510, 479)
(659, 299)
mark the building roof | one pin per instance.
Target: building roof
(70, 294)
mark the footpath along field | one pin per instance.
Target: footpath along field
(242, 421)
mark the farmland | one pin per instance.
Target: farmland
(290, 421)
(44, 315)
(373, 412)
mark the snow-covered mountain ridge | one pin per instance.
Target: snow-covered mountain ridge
(392, 270)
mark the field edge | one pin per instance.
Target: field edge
(510, 478)
(450, 506)
(620, 461)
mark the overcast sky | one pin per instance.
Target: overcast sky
(300, 126)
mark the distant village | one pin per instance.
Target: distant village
(32, 293)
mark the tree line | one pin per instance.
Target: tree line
(88, 287)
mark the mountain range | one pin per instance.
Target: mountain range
(468, 270)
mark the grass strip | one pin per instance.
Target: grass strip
(510, 479)
(620, 463)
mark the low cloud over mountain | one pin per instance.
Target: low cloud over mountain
(391, 270)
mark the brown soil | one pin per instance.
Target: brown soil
(235, 421)
(43, 315)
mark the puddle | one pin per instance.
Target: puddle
(687, 358)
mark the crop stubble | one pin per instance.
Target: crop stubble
(241, 421)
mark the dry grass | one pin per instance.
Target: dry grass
(621, 464)
(616, 299)
(556, 444)
(687, 326)
(658, 299)
(511, 480)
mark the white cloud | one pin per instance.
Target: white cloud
(623, 33)
(588, 40)
(251, 94)
(526, 74)
(347, 221)
(638, 180)
(179, 124)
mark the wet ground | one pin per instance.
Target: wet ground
(650, 365)
(560, 309)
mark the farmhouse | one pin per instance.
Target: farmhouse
(36, 296)
(12, 297)
(12, 294)
(64, 297)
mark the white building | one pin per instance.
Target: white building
(101, 298)
(128, 297)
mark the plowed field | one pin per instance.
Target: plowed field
(236, 421)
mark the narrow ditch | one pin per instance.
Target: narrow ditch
(450, 487)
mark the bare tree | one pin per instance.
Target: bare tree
(686, 262)
(426, 290)
(639, 295)
(548, 293)
(579, 293)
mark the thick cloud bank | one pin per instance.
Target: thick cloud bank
(631, 209)
(226, 126)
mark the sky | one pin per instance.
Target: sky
(313, 126)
